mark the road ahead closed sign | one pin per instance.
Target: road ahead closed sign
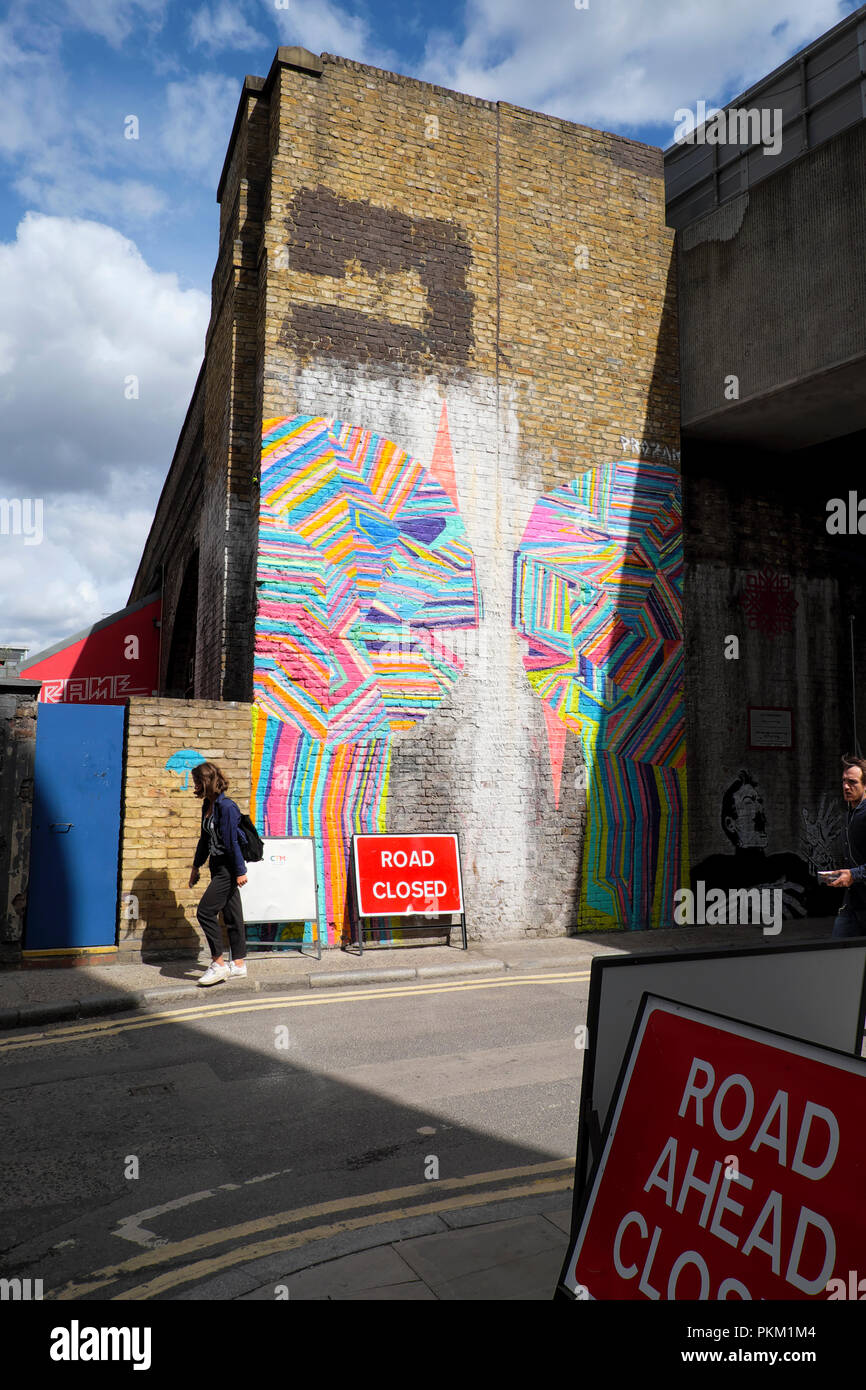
(407, 875)
(734, 1167)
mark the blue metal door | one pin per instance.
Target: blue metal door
(72, 893)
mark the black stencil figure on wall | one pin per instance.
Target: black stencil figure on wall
(744, 821)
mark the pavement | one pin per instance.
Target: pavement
(41, 994)
(507, 1249)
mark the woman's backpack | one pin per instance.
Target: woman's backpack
(252, 839)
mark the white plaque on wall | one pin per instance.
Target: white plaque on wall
(771, 728)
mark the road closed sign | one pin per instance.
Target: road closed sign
(734, 1167)
(405, 875)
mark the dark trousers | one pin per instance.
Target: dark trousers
(225, 896)
(848, 923)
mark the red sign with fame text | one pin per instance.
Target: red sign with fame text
(115, 659)
(735, 1168)
(407, 875)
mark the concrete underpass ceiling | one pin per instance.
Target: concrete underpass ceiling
(795, 416)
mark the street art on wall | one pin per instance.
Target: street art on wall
(182, 763)
(769, 603)
(362, 560)
(597, 595)
(747, 863)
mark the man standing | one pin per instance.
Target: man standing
(852, 914)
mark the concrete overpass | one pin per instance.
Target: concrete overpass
(771, 265)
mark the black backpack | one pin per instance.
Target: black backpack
(252, 840)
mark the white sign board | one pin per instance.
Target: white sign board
(809, 992)
(814, 991)
(282, 886)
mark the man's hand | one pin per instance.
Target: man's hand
(193, 878)
(242, 880)
(843, 879)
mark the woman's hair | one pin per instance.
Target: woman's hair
(211, 778)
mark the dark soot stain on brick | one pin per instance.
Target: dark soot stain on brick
(326, 232)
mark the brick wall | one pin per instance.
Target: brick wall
(211, 480)
(17, 753)
(425, 248)
(411, 259)
(513, 250)
(161, 818)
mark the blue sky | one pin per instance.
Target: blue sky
(107, 244)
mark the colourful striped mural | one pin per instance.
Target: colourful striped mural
(362, 558)
(597, 595)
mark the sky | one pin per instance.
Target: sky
(108, 243)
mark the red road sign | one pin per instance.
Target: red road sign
(734, 1167)
(402, 875)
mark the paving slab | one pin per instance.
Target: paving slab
(531, 1279)
(487, 1213)
(440, 1260)
(560, 1218)
(352, 1274)
(400, 1293)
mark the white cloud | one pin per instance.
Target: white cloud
(115, 20)
(620, 65)
(324, 27)
(80, 572)
(225, 26)
(82, 313)
(61, 149)
(34, 90)
(55, 187)
(198, 122)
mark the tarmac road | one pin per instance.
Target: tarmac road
(261, 1126)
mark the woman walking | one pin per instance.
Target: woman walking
(221, 844)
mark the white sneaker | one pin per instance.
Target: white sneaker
(214, 974)
(237, 969)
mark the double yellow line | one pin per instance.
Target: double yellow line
(78, 1032)
(533, 1180)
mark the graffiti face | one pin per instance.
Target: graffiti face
(598, 598)
(747, 827)
(362, 558)
(747, 863)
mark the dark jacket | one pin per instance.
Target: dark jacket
(855, 897)
(226, 821)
